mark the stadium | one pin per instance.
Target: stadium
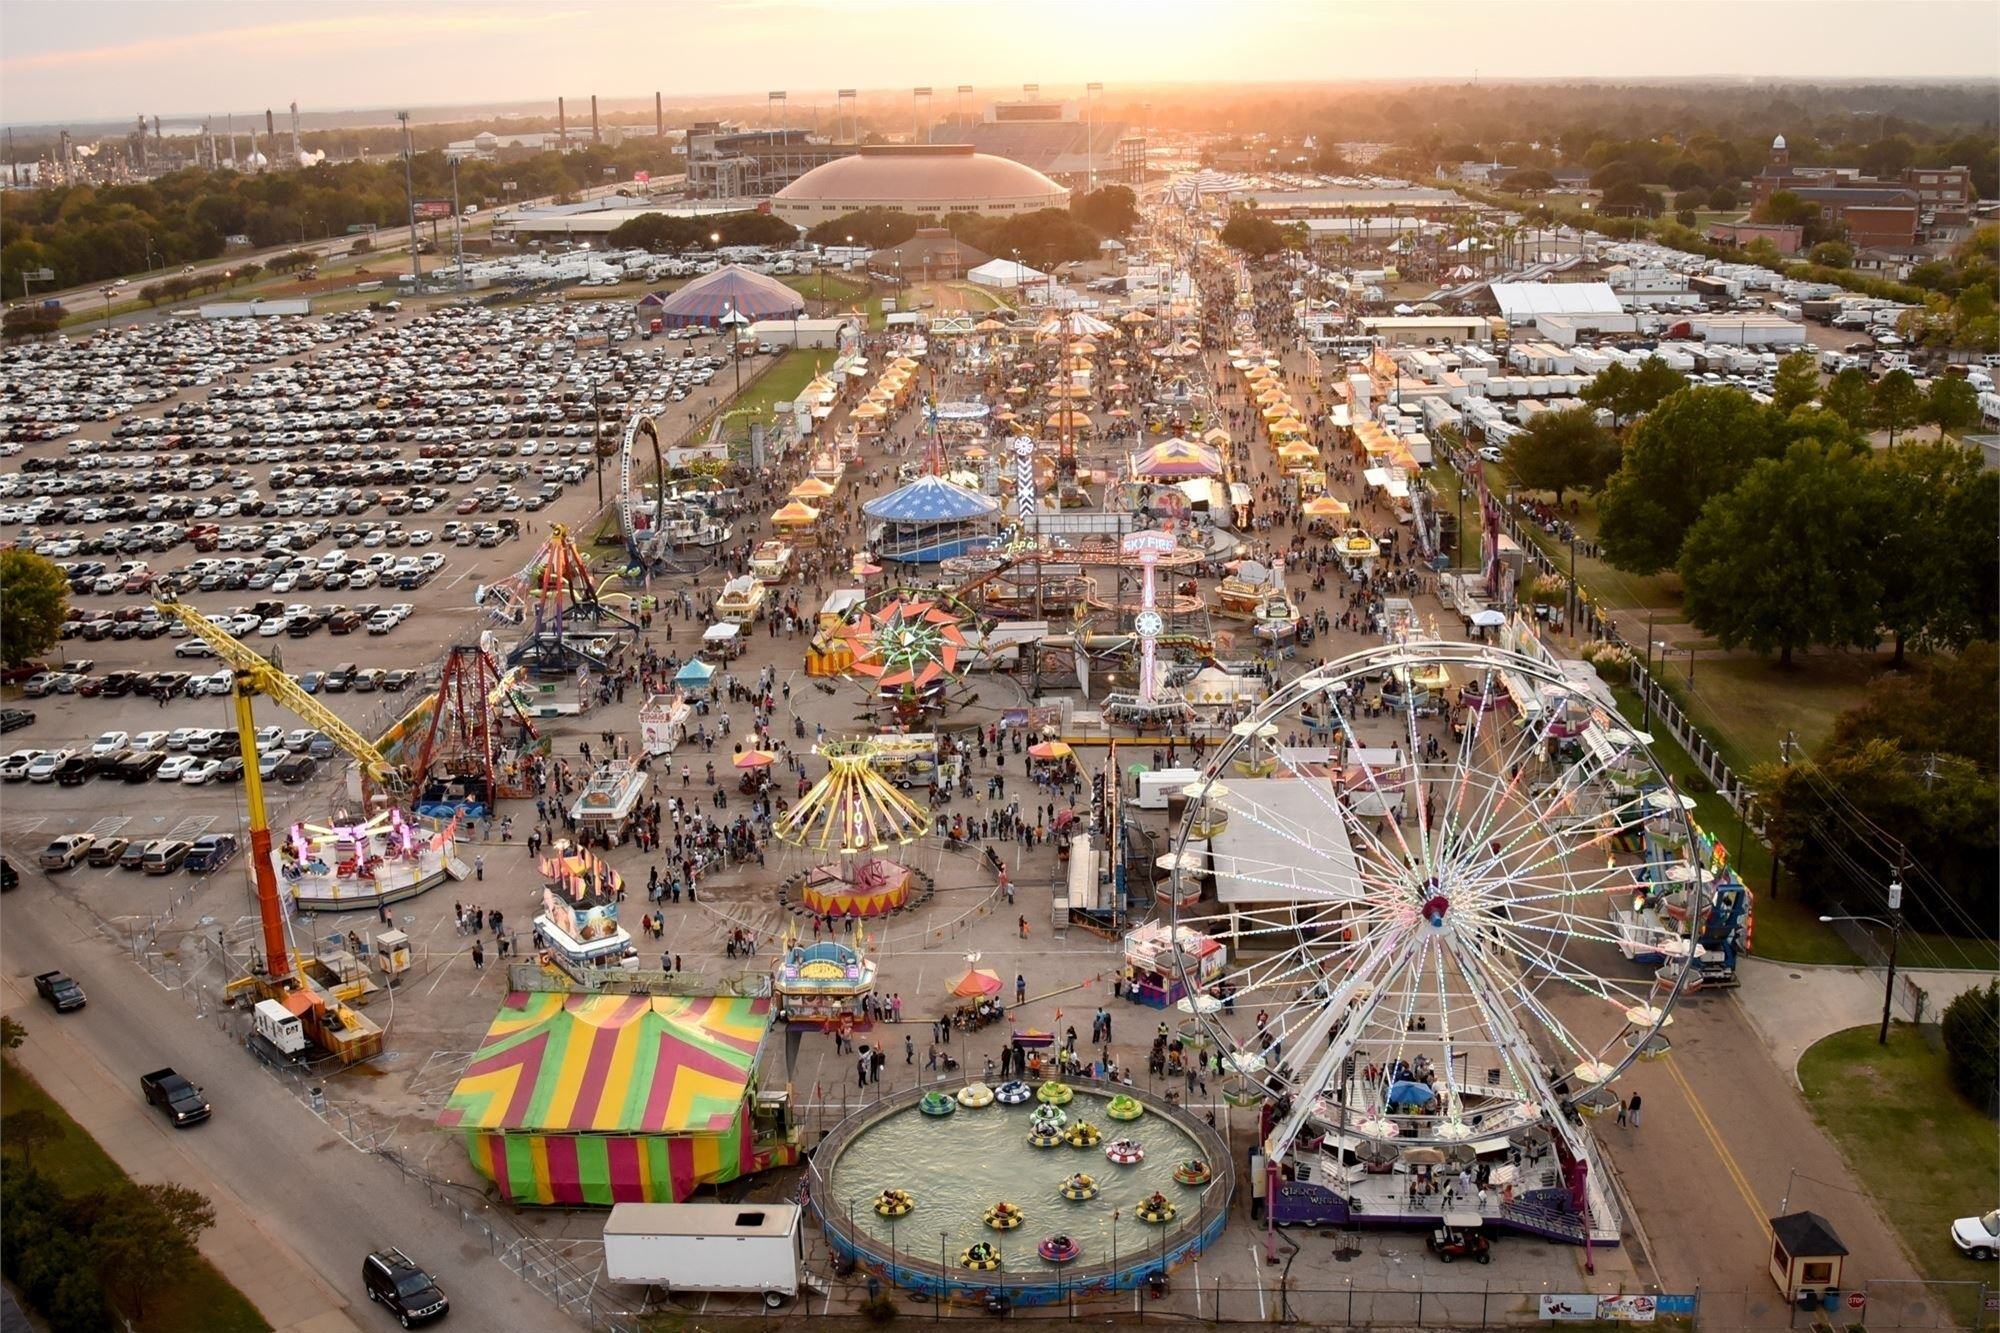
(932, 179)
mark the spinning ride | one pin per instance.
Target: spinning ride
(909, 646)
(1429, 944)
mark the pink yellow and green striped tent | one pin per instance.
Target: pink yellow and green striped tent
(600, 1099)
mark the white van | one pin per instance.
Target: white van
(332, 560)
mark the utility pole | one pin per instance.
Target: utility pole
(457, 224)
(410, 198)
(1895, 941)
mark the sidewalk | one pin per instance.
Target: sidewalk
(1791, 1006)
(283, 1288)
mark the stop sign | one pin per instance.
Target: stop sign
(1856, 1299)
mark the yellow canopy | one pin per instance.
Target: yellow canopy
(870, 410)
(796, 514)
(1324, 506)
(812, 488)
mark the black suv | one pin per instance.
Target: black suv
(407, 1290)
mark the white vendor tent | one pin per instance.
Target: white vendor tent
(1004, 273)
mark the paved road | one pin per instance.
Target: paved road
(311, 1192)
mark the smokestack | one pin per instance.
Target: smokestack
(270, 127)
(562, 127)
(659, 119)
(297, 160)
(595, 136)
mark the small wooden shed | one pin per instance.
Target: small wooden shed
(1806, 1256)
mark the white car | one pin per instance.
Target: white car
(1978, 1237)
(267, 763)
(15, 766)
(178, 738)
(200, 772)
(111, 742)
(222, 682)
(270, 736)
(150, 740)
(175, 768)
(45, 765)
(271, 628)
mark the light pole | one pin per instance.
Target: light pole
(106, 292)
(1894, 925)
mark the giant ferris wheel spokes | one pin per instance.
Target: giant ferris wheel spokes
(1423, 919)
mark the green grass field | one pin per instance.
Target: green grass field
(827, 286)
(782, 383)
(204, 1302)
(1922, 1151)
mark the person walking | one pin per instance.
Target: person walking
(478, 957)
(1621, 1113)
(1020, 988)
(909, 1049)
(1632, 1110)
(479, 866)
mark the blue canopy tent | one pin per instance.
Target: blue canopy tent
(929, 519)
(695, 676)
(1406, 1093)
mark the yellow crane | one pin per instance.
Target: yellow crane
(256, 675)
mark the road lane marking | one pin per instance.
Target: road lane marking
(1721, 1149)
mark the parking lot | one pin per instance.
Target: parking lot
(333, 491)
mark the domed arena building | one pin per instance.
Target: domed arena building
(932, 179)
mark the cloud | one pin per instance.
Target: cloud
(319, 35)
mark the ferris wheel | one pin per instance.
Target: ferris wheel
(1456, 895)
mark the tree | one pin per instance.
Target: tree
(1723, 199)
(1561, 450)
(362, 245)
(12, 1034)
(34, 598)
(30, 321)
(1626, 393)
(1952, 405)
(1832, 254)
(876, 228)
(1693, 447)
(1897, 403)
(1255, 236)
(1631, 198)
(1939, 514)
(1850, 396)
(1971, 1031)
(139, 1244)
(152, 293)
(1796, 383)
(1688, 174)
(1534, 180)
(1786, 209)
(248, 272)
(1112, 210)
(1783, 560)
(1690, 201)
(28, 1129)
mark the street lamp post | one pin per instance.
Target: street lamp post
(106, 292)
(1894, 925)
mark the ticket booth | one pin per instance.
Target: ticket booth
(1806, 1259)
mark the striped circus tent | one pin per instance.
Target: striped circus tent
(601, 1099)
(732, 291)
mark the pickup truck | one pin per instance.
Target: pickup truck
(59, 991)
(178, 1099)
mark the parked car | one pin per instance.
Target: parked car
(66, 851)
(210, 852)
(13, 719)
(165, 855)
(1978, 1237)
(393, 1280)
(106, 851)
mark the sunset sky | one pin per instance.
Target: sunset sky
(112, 58)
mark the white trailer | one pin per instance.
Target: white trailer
(1156, 785)
(752, 1247)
